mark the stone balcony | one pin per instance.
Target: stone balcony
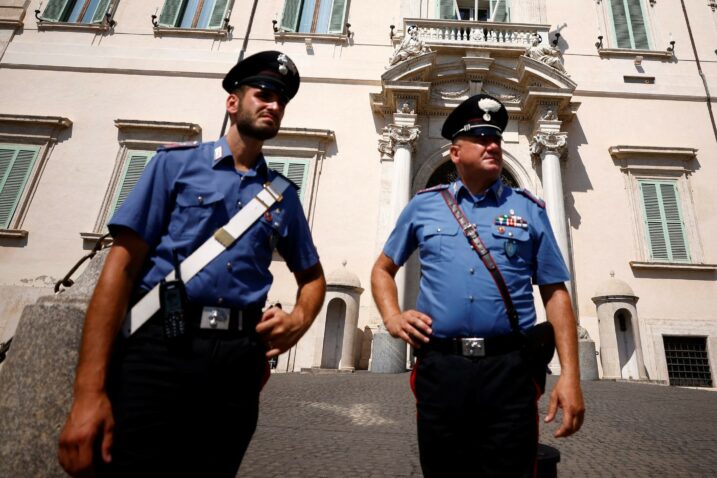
(507, 37)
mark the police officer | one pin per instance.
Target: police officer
(476, 390)
(189, 408)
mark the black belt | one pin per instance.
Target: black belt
(474, 347)
(223, 320)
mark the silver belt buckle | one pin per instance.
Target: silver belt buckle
(215, 318)
(473, 347)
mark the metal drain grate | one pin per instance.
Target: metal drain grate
(687, 361)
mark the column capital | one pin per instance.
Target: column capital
(395, 136)
(548, 142)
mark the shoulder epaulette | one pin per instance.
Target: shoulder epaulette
(530, 196)
(173, 146)
(438, 187)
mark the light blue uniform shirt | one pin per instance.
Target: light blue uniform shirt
(184, 195)
(456, 290)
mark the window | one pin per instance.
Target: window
(132, 170)
(16, 164)
(194, 14)
(76, 11)
(474, 10)
(314, 16)
(297, 170)
(629, 24)
(138, 142)
(664, 226)
(26, 142)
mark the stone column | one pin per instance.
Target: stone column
(397, 144)
(550, 147)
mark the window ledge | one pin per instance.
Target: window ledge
(13, 234)
(629, 52)
(92, 27)
(204, 32)
(673, 266)
(93, 237)
(302, 36)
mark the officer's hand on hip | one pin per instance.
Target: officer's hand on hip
(279, 330)
(412, 326)
(567, 395)
(90, 417)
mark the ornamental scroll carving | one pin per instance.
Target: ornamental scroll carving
(394, 136)
(549, 143)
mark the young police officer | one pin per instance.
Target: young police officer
(475, 385)
(181, 397)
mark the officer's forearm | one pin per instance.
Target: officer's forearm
(310, 295)
(383, 287)
(560, 314)
(105, 314)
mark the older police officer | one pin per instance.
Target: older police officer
(184, 402)
(476, 388)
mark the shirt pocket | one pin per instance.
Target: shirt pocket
(196, 213)
(439, 239)
(513, 243)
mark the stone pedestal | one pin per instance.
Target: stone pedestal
(588, 361)
(388, 354)
(37, 378)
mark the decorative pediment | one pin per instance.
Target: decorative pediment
(434, 82)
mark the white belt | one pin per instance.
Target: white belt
(212, 247)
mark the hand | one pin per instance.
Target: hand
(568, 396)
(91, 415)
(412, 326)
(279, 330)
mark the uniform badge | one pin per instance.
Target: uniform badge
(218, 153)
(510, 248)
(268, 216)
(488, 105)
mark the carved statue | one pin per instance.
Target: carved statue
(410, 46)
(546, 54)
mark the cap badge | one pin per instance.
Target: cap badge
(285, 64)
(488, 105)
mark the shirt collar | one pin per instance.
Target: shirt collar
(222, 154)
(459, 188)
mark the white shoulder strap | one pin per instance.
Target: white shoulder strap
(212, 247)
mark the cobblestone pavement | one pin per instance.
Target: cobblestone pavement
(363, 425)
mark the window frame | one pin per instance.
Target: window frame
(285, 30)
(164, 27)
(137, 135)
(42, 132)
(613, 27)
(101, 22)
(674, 164)
(475, 8)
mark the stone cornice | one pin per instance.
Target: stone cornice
(47, 121)
(655, 152)
(163, 126)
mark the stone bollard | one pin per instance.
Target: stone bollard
(588, 360)
(388, 355)
(37, 378)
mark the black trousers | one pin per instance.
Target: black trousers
(477, 417)
(184, 414)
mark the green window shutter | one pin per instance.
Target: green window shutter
(290, 17)
(133, 168)
(16, 164)
(663, 221)
(630, 27)
(446, 10)
(219, 13)
(297, 170)
(338, 15)
(498, 11)
(171, 13)
(56, 10)
(100, 12)
(637, 24)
